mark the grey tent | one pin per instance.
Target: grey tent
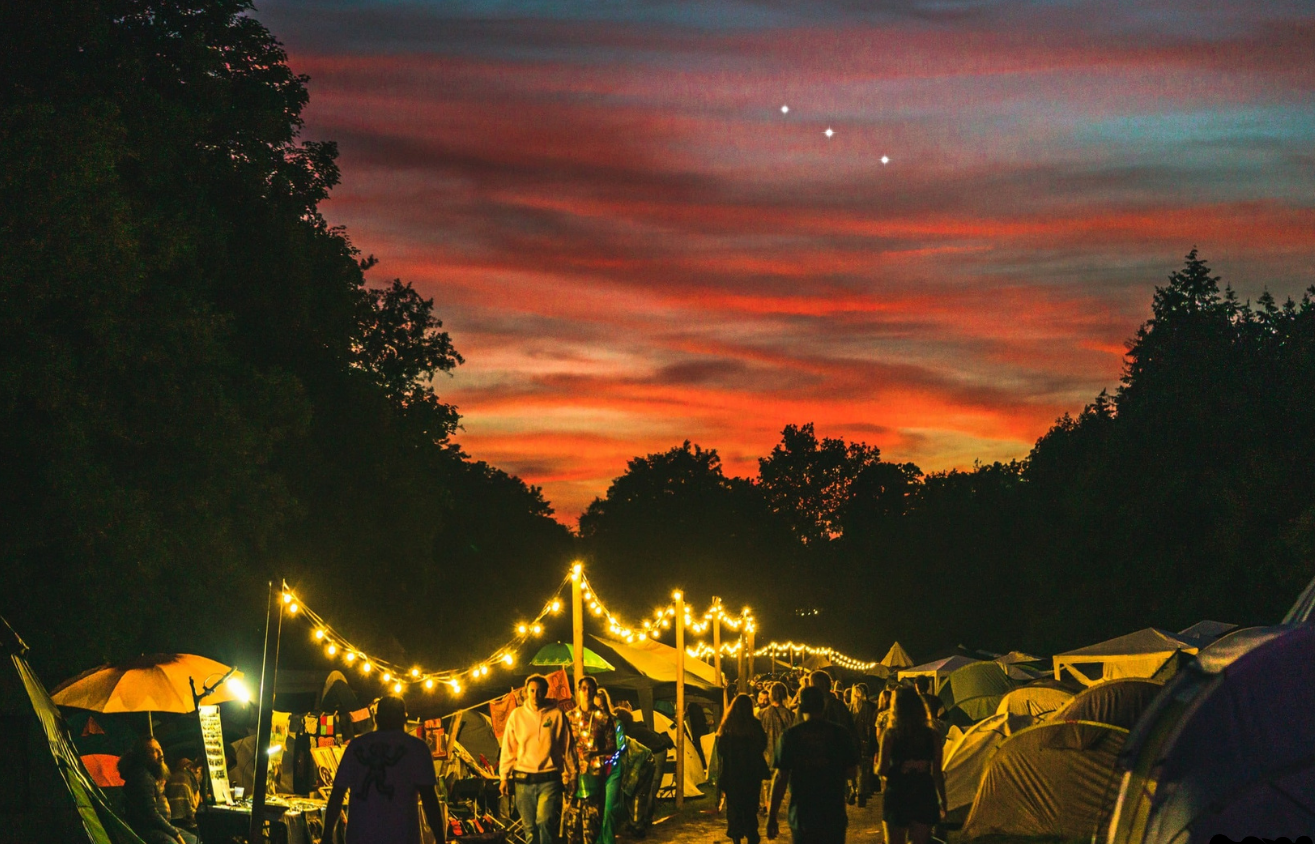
(1051, 780)
(1117, 702)
(1205, 632)
(1228, 748)
(973, 692)
(46, 794)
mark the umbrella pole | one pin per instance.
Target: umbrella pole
(150, 724)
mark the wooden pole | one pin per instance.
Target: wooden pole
(265, 713)
(716, 650)
(577, 622)
(769, 664)
(680, 701)
(741, 682)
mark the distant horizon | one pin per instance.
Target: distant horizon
(632, 244)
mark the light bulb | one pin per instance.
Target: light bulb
(287, 597)
(429, 684)
(238, 689)
(349, 657)
(365, 666)
(387, 676)
(537, 629)
(397, 688)
(319, 634)
(415, 672)
(522, 629)
(508, 659)
(331, 649)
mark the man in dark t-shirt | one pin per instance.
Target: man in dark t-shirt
(815, 759)
(386, 772)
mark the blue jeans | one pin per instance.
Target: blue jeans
(540, 808)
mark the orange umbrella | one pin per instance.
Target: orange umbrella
(151, 683)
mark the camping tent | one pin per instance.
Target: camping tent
(1205, 632)
(973, 692)
(939, 670)
(897, 657)
(1138, 654)
(1051, 780)
(965, 762)
(1228, 748)
(1117, 702)
(46, 794)
(1038, 699)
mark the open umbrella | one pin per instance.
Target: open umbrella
(558, 655)
(151, 683)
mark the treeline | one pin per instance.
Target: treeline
(198, 390)
(1187, 494)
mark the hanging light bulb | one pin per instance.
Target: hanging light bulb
(349, 657)
(292, 609)
(365, 667)
(415, 672)
(429, 684)
(331, 649)
(319, 634)
(556, 605)
(508, 659)
(522, 629)
(397, 688)
(287, 597)
(537, 629)
(387, 676)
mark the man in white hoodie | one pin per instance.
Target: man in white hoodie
(535, 753)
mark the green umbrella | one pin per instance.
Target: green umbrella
(560, 655)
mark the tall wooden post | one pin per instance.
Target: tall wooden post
(265, 712)
(577, 621)
(741, 682)
(680, 700)
(716, 650)
(751, 655)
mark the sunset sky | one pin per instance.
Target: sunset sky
(632, 245)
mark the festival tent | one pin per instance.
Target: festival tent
(1228, 749)
(1138, 654)
(695, 772)
(897, 657)
(46, 794)
(973, 692)
(939, 671)
(1051, 780)
(965, 761)
(1021, 666)
(1117, 702)
(1205, 632)
(1039, 699)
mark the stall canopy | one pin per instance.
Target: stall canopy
(897, 657)
(46, 794)
(1052, 780)
(1117, 702)
(655, 663)
(1138, 654)
(939, 670)
(966, 761)
(1038, 699)
(973, 692)
(1228, 748)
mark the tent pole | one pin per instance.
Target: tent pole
(680, 701)
(577, 624)
(265, 715)
(716, 650)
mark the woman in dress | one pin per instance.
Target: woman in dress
(741, 744)
(593, 734)
(910, 764)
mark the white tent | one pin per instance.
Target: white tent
(965, 761)
(939, 670)
(897, 657)
(1138, 654)
(695, 773)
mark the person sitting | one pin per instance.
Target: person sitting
(144, 805)
(183, 791)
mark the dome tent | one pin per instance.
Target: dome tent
(973, 692)
(965, 762)
(1228, 749)
(1052, 780)
(1039, 699)
(1117, 702)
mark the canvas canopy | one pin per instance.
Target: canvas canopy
(1051, 780)
(1228, 748)
(939, 670)
(1117, 702)
(46, 794)
(1038, 699)
(965, 761)
(973, 692)
(656, 663)
(897, 657)
(1138, 654)
(1205, 632)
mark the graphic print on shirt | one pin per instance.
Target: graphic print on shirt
(376, 760)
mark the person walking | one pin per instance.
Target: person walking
(593, 743)
(650, 775)
(864, 712)
(741, 743)
(814, 760)
(385, 771)
(836, 711)
(910, 763)
(614, 804)
(536, 746)
(776, 718)
(884, 701)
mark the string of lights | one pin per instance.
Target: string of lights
(778, 649)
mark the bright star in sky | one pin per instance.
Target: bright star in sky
(885, 159)
(828, 132)
(785, 109)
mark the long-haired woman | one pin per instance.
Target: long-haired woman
(910, 764)
(741, 744)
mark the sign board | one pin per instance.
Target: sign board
(212, 735)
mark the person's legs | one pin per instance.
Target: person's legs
(919, 833)
(894, 834)
(549, 810)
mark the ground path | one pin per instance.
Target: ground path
(699, 825)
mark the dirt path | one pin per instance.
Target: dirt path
(698, 825)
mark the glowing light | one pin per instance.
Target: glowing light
(885, 159)
(387, 676)
(576, 571)
(785, 109)
(556, 605)
(456, 687)
(415, 672)
(522, 629)
(331, 649)
(287, 597)
(350, 657)
(238, 689)
(319, 634)
(676, 596)
(429, 684)
(365, 667)
(508, 659)
(292, 609)
(397, 688)
(828, 132)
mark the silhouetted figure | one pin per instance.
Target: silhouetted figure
(814, 759)
(741, 743)
(910, 764)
